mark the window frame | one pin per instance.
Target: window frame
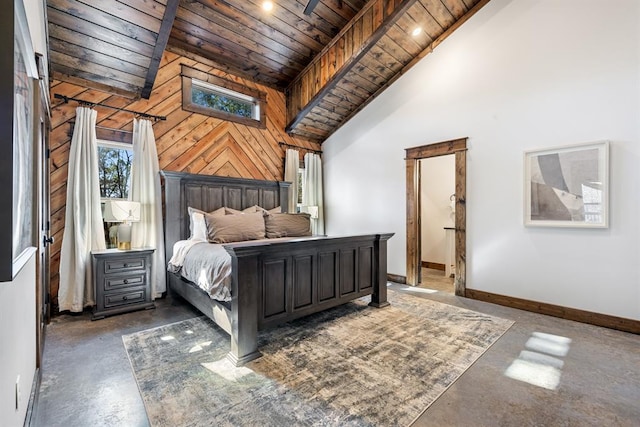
(227, 88)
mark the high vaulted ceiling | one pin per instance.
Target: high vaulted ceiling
(330, 62)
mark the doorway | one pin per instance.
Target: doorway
(437, 216)
(458, 147)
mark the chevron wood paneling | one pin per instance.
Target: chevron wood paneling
(188, 142)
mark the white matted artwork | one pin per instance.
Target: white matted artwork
(567, 186)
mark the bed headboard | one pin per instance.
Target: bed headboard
(207, 193)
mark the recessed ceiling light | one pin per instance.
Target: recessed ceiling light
(267, 5)
(416, 31)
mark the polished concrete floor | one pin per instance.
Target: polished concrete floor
(433, 279)
(542, 372)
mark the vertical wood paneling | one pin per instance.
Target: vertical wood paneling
(303, 281)
(327, 276)
(186, 141)
(274, 278)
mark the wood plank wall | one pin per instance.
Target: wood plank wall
(347, 44)
(187, 142)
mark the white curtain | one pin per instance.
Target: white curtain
(145, 188)
(312, 191)
(83, 228)
(291, 166)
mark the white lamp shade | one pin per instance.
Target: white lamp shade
(121, 211)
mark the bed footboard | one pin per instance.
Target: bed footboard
(276, 282)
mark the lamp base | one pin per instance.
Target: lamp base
(124, 236)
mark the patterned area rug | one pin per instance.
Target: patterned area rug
(350, 366)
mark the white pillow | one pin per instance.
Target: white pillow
(198, 226)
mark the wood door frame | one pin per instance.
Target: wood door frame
(458, 147)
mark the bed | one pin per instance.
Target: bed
(272, 282)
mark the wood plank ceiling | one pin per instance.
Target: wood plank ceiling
(111, 45)
(330, 62)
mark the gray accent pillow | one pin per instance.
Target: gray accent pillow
(235, 228)
(287, 225)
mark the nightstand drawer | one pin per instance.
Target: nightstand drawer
(132, 297)
(118, 282)
(127, 264)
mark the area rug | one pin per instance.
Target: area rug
(353, 365)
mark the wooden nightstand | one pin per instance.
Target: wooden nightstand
(121, 280)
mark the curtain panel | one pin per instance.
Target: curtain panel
(291, 166)
(145, 189)
(312, 194)
(83, 228)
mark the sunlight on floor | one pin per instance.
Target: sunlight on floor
(540, 365)
(200, 346)
(417, 290)
(226, 370)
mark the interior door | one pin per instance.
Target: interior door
(41, 125)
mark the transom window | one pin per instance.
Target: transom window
(221, 99)
(217, 97)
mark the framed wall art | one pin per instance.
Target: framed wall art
(567, 186)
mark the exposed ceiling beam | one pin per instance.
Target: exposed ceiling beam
(161, 43)
(358, 52)
(310, 6)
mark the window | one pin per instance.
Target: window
(114, 175)
(114, 166)
(217, 97)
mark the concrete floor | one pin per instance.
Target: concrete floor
(435, 280)
(87, 379)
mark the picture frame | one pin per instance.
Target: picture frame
(567, 186)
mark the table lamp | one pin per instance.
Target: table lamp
(124, 212)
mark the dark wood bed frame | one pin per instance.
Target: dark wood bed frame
(272, 282)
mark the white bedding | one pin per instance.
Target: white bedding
(208, 265)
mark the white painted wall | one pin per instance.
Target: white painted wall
(18, 297)
(18, 338)
(519, 75)
(437, 175)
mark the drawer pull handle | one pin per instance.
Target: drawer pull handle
(124, 298)
(125, 281)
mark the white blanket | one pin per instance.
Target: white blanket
(206, 264)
